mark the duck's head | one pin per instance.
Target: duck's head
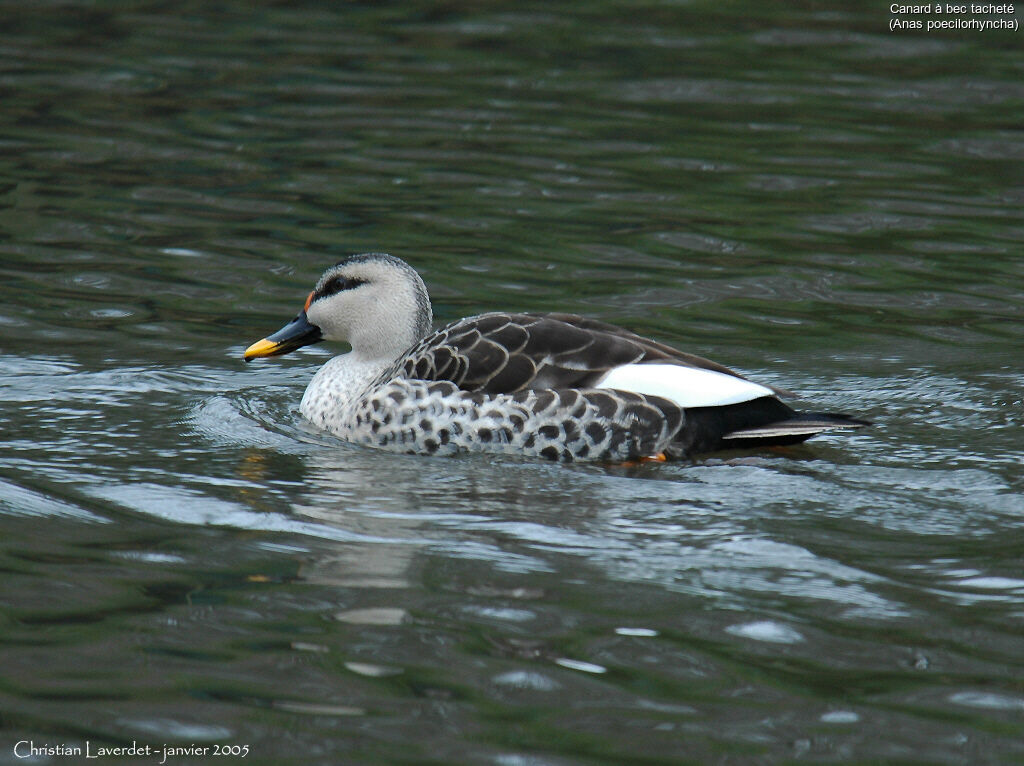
(375, 302)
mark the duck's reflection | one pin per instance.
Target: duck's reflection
(684, 528)
(400, 506)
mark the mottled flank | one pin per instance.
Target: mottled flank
(519, 384)
(439, 418)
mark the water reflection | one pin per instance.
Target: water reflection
(678, 528)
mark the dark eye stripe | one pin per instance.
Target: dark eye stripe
(336, 285)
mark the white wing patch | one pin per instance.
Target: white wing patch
(686, 386)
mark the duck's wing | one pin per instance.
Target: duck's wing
(504, 353)
(655, 351)
(613, 378)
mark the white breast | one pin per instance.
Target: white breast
(686, 386)
(335, 387)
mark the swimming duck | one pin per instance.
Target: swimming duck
(556, 386)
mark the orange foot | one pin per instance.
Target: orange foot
(660, 457)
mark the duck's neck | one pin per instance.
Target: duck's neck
(391, 335)
(338, 383)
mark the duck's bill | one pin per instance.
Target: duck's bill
(296, 334)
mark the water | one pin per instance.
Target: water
(799, 193)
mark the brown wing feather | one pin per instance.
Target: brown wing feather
(653, 350)
(503, 353)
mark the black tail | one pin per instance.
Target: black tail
(793, 430)
(757, 423)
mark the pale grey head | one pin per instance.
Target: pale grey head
(375, 302)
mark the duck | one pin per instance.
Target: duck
(554, 386)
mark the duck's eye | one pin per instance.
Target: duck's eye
(337, 284)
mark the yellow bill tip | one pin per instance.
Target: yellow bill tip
(261, 348)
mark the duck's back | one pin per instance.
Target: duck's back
(503, 353)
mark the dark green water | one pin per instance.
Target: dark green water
(796, 192)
